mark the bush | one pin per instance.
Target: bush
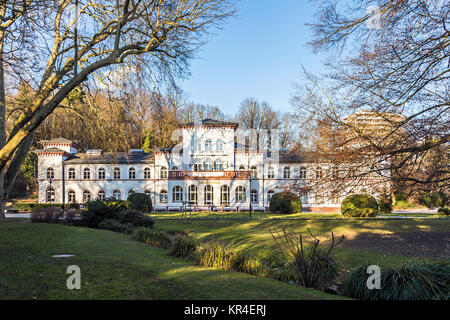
(426, 282)
(359, 205)
(140, 201)
(285, 203)
(114, 225)
(155, 239)
(48, 215)
(32, 206)
(385, 202)
(182, 247)
(100, 210)
(248, 263)
(134, 217)
(214, 254)
(444, 211)
(433, 199)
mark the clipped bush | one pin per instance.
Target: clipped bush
(34, 206)
(114, 225)
(134, 217)
(359, 205)
(248, 263)
(140, 201)
(214, 254)
(425, 282)
(444, 211)
(155, 239)
(285, 203)
(182, 247)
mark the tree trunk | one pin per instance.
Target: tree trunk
(2, 126)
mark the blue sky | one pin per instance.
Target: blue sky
(257, 54)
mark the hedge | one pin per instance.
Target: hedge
(285, 203)
(359, 205)
(33, 205)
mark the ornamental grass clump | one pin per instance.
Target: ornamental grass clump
(154, 238)
(182, 247)
(214, 254)
(248, 263)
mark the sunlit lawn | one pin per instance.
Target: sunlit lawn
(113, 266)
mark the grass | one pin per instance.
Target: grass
(254, 235)
(113, 266)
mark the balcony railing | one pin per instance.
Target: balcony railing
(243, 174)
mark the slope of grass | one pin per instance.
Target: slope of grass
(113, 266)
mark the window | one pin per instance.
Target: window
(147, 174)
(71, 173)
(287, 172)
(50, 195)
(209, 195)
(319, 173)
(218, 165)
(72, 196)
(147, 192)
(101, 173)
(50, 173)
(197, 165)
(163, 173)
(131, 191)
(224, 195)
(335, 198)
(270, 193)
(241, 167)
(335, 173)
(270, 173)
(197, 145)
(101, 195)
(131, 173)
(117, 194)
(241, 195)
(319, 198)
(177, 194)
(254, 196)
(254, 172)
(86, 173)
(208, 145)
(302, 173)
(208, 165)
(163, 198)
(86, 196)
(192, 194)
(219, 145)
(116, 173)
(174, 168)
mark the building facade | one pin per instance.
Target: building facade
(214, 166)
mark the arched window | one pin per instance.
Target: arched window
(117, 194)
(177, 194)
(270, 194)
(254, 196)
(319, 173)
(218, 165)
(209, 195)
(86, 196)
(197, 165)
(254, 172)
(116, 173)
(50, 173)
(163, 198)
(71, 196)
(50, 195)
(335, 198)
(241, 195)
(241, 167)
(101, 173)
(219, 145)
(147, 173)
(131, 173)
(174, 168)
(208, 165)
(71, 173)
(86, 173)
(131, 191)
(335, 173)
(270, 173)
(208, 145)
(192, 194)
(319, 198)
(286, 172)
(148, 192)
(225, 195)
(163, 173)
(302, 173)
(101, 195)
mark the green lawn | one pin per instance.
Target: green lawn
(113, 266)
(254, 235)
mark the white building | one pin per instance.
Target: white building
(211, 168)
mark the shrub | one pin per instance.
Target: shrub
(425, 282)
(33, 205)
(100, 210)
(359, 205)
(285, 203)
(433, 199)
(48, 215)
(248, 263)
(140, 201)
(134, 217)
(444, 211)
(214, 254)
(182, 247)
(114, 225)
(385, 202)
(155, 239)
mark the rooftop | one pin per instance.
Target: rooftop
(211, 123)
